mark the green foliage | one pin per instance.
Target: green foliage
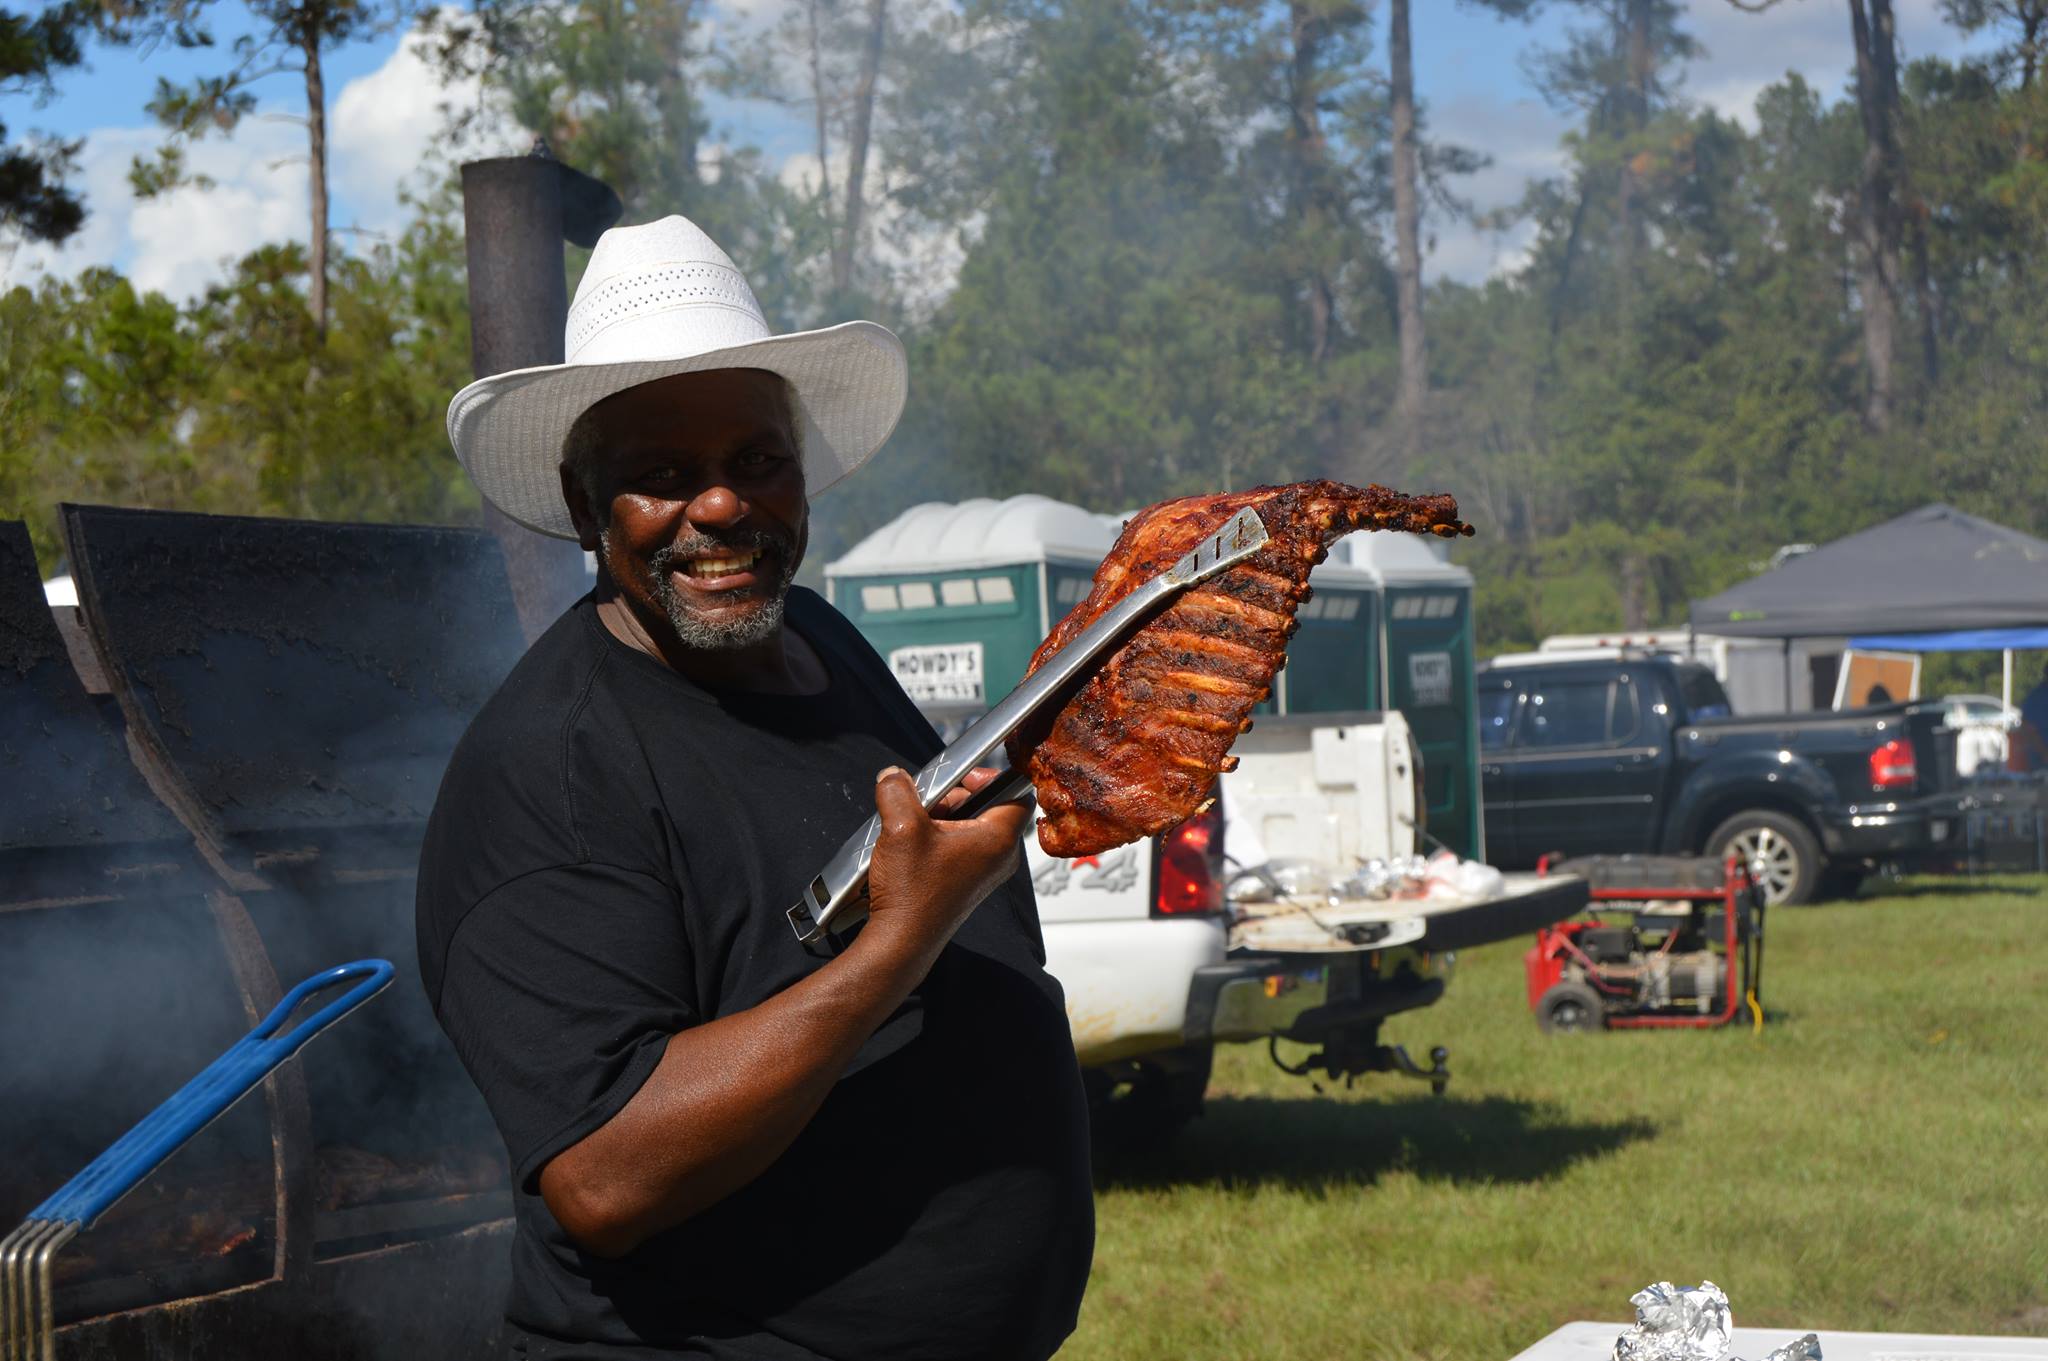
(163, 171)
(374, 393)
(615, 88)
(2025, 22)
(1168, 219)
(289, 34)
(1151, 214)
(1673, 445)
(1098, 347)
(34, 201)
(232, 403)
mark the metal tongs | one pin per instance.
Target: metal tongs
(837, 896)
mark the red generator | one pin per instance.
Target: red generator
(1668, 941)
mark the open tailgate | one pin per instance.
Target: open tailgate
(1303, 925)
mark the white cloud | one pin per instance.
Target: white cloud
(178, 243)
(381, 130)
(1747, 52)
(799, 171)
(102, 173)
(1522, 136)
(1470, 255)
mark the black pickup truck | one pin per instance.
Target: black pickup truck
(1641, 755)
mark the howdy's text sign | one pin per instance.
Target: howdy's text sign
(946, 673)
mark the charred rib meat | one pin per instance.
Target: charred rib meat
(1139, 746)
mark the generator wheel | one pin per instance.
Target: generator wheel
(1570, 1008)
(1785, 854)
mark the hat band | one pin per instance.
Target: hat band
(658, 289)
(677, 332)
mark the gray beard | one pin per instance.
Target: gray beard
(695, 631)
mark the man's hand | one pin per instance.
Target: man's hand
(930, 873)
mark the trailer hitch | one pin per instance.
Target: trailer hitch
(1349, 1056)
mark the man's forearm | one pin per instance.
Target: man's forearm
(727, 1099)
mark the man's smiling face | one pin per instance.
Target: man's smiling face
(691, 491)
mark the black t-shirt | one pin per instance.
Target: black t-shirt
(609, 862)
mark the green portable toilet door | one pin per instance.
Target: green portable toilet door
(957, 641)
(1333, 658)
(1431, 680)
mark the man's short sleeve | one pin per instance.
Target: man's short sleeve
(561, 989)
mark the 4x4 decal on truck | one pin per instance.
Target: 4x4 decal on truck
(1115, 874)
(1111, 873)
(1052, 879)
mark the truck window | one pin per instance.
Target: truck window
(1496, 715)
(1624, 720)
(1566, 713)
(1703, 695)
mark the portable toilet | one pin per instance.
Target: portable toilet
(1333, 662)
(957, 597)
(1428, 663)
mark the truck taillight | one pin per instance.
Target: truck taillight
(1892, 766)
(1190, 874)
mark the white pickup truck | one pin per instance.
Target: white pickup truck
(1159, 966)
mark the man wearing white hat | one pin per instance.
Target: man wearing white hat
(726, 1144)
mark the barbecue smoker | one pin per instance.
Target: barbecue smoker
(241, 804)
(215, 775)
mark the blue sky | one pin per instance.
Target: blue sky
(384, 106)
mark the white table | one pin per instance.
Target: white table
(1595, 1342)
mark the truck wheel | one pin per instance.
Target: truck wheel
(1779, 849)
(1570, 1008)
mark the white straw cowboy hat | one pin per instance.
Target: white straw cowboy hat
(658, 300)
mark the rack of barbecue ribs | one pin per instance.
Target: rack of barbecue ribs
(838, 893)
(1137, 749)
(1128, 712)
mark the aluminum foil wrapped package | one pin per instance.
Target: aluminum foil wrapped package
(1372, 880)
(1692, 1323)
(1677, 1323)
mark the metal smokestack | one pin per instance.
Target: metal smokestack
(517, 211)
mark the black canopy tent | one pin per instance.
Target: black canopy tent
(1931, 570)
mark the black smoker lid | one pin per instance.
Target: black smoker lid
(297, 677)
(65, 778)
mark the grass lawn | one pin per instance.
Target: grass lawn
(1876, 1159)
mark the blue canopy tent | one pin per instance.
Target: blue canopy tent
(2007, 641)
(1961, 640)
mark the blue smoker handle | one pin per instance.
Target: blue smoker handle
(220, 1085)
